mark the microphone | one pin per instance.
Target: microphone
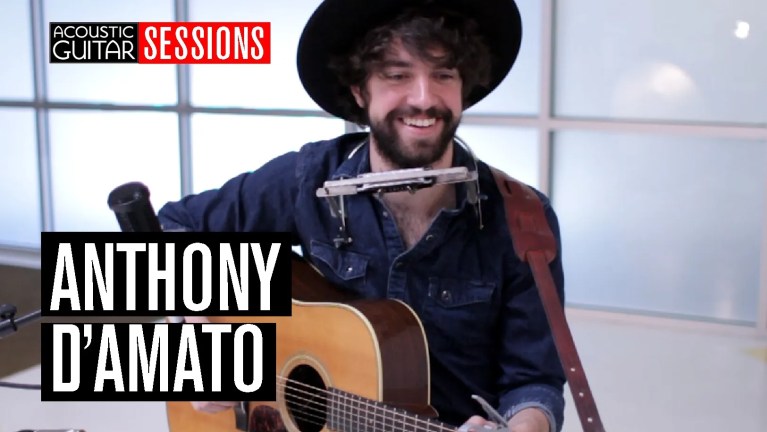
(134, 212)
(131, 205)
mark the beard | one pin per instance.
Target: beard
(424, 152)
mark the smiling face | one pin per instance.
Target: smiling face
(413, 106)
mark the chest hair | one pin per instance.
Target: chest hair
(411, 227)
(413, 218)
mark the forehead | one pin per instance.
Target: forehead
(398, 52)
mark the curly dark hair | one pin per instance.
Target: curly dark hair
(420, 30)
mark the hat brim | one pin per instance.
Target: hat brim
(336, 25)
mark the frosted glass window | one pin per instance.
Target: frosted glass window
(15, 51)
(110, 83)
(19, 181)
(511, 150)
(93, 152)
(224, 146)
(277, 85)
(274, 85)
(667, 225)
(519, 93)
(689, 60)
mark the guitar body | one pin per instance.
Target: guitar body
(370, 349)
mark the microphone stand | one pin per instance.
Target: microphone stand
(10, 324)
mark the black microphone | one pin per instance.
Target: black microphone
(134, 211)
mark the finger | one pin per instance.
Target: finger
(476, 424)
(474, 427)
(212, 407)
(476, 420)
(196, 320)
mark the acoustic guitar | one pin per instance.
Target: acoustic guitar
(343, 364)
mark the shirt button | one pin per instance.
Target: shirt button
(398, 264)
(429, 237)
(385, 214)
(445, 296)
(349, 269)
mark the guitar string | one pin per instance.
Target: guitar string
(380, 409)
(315, 420)
(319, 408)
(321, 420)
(342, 423)
(321, 417)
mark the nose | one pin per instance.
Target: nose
(422, 92)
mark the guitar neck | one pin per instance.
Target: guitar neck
(349, 412)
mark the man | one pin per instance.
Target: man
(408, 69)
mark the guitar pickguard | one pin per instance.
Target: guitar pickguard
(264, 418)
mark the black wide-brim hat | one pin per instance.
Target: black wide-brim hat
(337, 25)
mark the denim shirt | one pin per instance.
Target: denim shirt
(484, 322)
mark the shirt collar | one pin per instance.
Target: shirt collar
(356, 161)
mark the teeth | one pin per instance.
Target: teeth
(419, 122)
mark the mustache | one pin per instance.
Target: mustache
(411, 111)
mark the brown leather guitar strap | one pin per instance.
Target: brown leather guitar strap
(535, 244)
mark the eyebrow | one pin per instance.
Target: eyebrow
(395, 63)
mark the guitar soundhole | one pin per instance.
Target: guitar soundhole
(306, 399)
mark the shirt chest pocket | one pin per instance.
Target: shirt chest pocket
(342, 267)
(461, 311)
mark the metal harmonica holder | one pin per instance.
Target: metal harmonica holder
(379, 183)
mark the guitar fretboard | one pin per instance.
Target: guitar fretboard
(347, 412)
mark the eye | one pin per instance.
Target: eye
(446, 75)
(395, 76)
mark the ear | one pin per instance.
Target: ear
(357, 93)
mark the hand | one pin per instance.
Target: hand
(477, 424)
(527, 420)
(207, 407)
(213, 407)
(196, 320)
